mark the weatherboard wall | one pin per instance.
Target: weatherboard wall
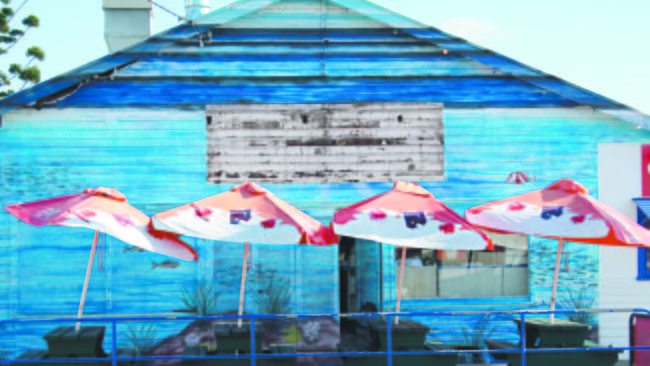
(135, 121)
(621, 285)
(158, 159)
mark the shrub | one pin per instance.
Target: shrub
(201, 298)
(142, 338)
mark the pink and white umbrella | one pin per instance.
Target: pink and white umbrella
(409, 216)
(104, 210)
(562, 211)
(247, 213)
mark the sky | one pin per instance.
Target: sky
(603, 46)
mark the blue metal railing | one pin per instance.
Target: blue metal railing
(253, 356)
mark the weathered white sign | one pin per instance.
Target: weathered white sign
(325, 143)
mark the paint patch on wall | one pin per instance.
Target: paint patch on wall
(325, 143)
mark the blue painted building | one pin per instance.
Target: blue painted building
(178, 117)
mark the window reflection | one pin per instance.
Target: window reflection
(467, 274)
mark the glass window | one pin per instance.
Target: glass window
(467, 274)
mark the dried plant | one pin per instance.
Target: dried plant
(201, 298)
(142, 338)
(579, 302)
(476, 336)
(273, 297)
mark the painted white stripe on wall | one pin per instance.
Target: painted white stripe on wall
(619, 180)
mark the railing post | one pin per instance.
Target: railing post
(252, 341)
(114, 339)
(389, 338)
(523, 339)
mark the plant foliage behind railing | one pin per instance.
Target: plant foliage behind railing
(201, 298)
(142, 338)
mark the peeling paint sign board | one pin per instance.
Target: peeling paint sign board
(325, 143)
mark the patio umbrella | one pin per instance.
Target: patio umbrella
(409, 216)
(562, 211)
(247, 213)
(105, 210)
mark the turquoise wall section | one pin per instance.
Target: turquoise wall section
(157, 158)
(134, 121)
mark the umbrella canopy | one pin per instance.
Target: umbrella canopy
(409, 216)
(246, 213)
(563, 211)
(104, 210)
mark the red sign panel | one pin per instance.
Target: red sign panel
(641, 339)
(645, 170)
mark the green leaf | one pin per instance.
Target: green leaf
(36, 52)
(8, 11)
(2, 51)
(31, 74)
(16, 33)
(7, 93)
(3, 20)
(6, 2)
(15, 69)
(31, 21)
(4, 79)
(7, 39)
(4, 29)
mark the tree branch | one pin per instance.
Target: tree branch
(16, 11)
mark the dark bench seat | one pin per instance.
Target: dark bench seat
(591, 358)
(450, 359)
(273, 349)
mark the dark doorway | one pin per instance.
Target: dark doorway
(347, 276)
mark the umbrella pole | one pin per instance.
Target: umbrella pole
(555, 277)
(243, 285)
(88, 270)
(399, 283)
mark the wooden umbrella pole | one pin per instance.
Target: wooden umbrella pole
(555, 277)
(87, 280)
(243, 285)
(399, 283)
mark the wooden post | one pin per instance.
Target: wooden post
(88, 270)
(555, 277)
(399, 283)
(243, 285)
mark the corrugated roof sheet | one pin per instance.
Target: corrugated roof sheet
(280, 51)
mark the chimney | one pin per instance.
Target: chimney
(126, 22)
(196, 8)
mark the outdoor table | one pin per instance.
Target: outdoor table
(541, 333)
(122, 352)
(232, 339)
(408, 335)
(591, 358)
(279, 349)
(33, 354)
(66, 342)
(274, 349)
(449, 359)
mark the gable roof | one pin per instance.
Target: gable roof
(302, 51)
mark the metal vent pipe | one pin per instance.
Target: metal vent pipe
(196, 8)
